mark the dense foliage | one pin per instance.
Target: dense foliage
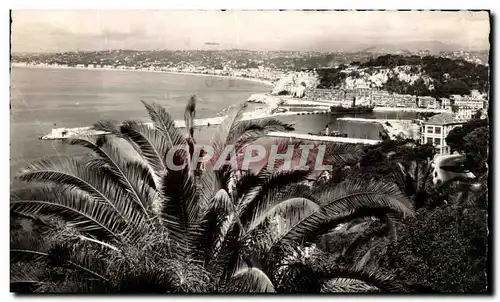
(444, 247)
(122, 220)
(471, 139)
(331, 77)
(446, 76)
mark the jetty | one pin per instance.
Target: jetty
(323, 138)
(61, 133)
(374, 120)
(408, 109)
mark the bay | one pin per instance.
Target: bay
(43, 98)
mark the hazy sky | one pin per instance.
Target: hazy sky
(50, 31)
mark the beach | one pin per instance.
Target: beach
(260, 81)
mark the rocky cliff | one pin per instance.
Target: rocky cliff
(296, 84)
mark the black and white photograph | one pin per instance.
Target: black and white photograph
(250, 151)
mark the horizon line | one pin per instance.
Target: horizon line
(242, 49)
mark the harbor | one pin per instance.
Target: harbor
(288, 116)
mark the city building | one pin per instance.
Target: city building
(473, 104)
(445, 103)
(465, 113)
(435, 130)
(427, 102)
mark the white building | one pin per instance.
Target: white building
(436, 129)
(475, 100)
(445, 103)
(465, 113)
(427, 102)
(473, 104)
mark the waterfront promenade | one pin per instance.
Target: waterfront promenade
(345, 140)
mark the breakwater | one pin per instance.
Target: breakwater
(61, 133)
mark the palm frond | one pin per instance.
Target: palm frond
(228, 255)
(378, 193)
(268, 193)
(251, 280)
(181, 212)
(341, 203)
(18, 255)
(109, 127)
(297, 207)
(27, 277)
(312, 274)
(223, 133)
(207, 185)
(341, 154)
(371, 276)
(248, 131)
(219, 143)
(82, 257)
(214, 224)
(118, 167)
(261, 238)
(22, 274)
(373, 230)
(248, 185)
(100, 187)
(95, 219)
(347, 285)
(164, 123)
(149, 143)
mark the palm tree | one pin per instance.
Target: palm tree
(124, 203)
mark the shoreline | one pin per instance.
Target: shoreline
(270, 101)
(255, 80)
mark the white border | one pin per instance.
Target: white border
(255, 4)
(200, 4)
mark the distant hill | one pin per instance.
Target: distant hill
(416, 75)
(434, 47)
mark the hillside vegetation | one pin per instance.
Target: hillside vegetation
(425, 76)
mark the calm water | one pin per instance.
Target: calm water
(42, 99)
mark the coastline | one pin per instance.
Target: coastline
(273, 102)
(255, 80)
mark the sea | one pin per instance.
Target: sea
(46, 98)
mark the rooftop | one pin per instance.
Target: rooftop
(443, 119)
